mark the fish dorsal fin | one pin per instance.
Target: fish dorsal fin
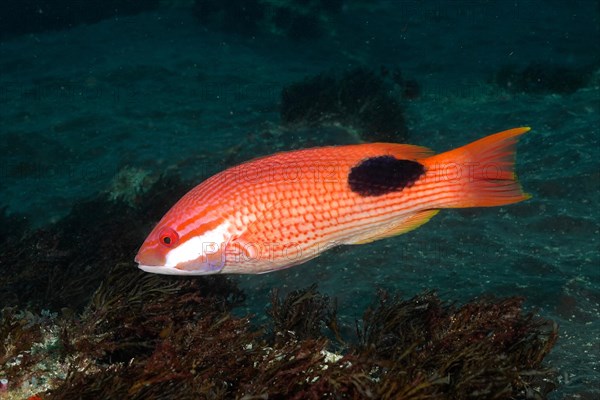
(405, 151)
(407, 225)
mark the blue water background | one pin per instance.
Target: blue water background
(160, 92)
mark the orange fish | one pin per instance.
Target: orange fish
(281, 210)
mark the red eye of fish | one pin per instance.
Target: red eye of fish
(168, 237)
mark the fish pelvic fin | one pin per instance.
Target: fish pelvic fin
(480, 174)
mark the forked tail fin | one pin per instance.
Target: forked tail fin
(479, 174)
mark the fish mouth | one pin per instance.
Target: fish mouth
(167, 270)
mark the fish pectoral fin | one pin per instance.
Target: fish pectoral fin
(407, 225)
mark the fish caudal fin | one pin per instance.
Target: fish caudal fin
(480, 174)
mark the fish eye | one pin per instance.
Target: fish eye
(168, 237)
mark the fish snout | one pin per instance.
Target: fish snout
(151, 257)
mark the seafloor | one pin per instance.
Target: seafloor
(162, 93)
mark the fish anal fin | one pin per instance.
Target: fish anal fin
(407, 225)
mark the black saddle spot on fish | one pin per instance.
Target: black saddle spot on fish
(380, 175)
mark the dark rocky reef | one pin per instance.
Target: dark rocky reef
(30, 16)
(61, 265)
(362, 99)
(296, 19)
(12, 227)
(542, 78)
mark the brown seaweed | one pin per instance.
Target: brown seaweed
(302, 314)
(146, 337)
(487, 348)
